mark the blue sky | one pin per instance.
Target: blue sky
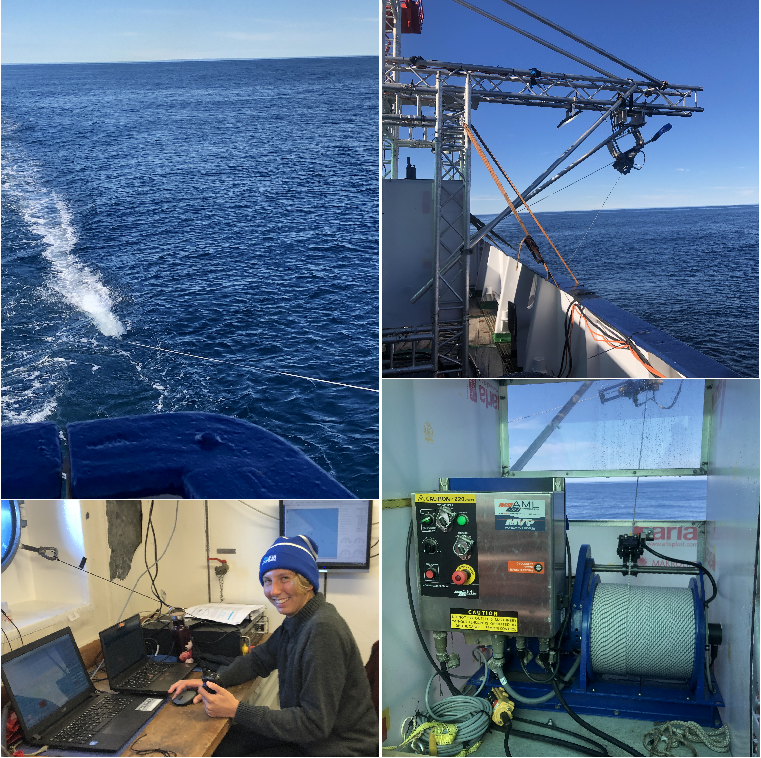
(51, 31)
(708, 159)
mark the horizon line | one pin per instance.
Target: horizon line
(642, 208)
(182, 60)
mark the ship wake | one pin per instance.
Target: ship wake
(47, 215)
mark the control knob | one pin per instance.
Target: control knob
(430, 546)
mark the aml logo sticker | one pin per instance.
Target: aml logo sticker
(526, 507)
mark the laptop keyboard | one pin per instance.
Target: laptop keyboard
(142, 678)
(92, 720)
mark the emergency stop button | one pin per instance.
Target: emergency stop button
(462, 576)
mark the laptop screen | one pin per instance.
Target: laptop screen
(46, 678)
(123, 646)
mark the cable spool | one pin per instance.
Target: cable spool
(643, 631)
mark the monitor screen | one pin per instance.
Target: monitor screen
(46, 678)
(341, 529)
(123, 646)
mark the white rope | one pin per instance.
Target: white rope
(253, 368)
(664, 737)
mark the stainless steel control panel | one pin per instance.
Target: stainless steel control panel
(490, 561)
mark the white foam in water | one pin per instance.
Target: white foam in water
(49, 216)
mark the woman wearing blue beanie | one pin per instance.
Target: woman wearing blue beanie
(325, 700)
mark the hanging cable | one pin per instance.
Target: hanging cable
(15, 627)
(673, 402)
(444, 673)
(688, 563)
(169, 541)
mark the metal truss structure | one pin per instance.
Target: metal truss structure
(426, 104)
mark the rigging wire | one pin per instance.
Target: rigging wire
(639, 464)
(571, 184)
(248, 366)
(595, 218)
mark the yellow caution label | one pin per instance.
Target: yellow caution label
(444, 497)
(505, 622)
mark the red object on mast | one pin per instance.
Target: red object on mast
(412, 17)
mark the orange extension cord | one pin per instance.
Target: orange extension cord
(599, 337)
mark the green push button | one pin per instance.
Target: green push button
(462, 519)
(426, 520)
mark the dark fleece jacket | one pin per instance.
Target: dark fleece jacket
(324, 692)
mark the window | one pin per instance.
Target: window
(39, 591)
(598, 428)
(658, 498)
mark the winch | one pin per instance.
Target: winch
(495, 565)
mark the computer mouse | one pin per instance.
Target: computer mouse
(185, 697)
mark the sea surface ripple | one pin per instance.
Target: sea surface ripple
(692, 272)
(222, 208)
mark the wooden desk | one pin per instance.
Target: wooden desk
(187, 730)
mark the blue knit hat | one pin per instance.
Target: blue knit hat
(297, 554)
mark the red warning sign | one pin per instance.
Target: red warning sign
(525, 567)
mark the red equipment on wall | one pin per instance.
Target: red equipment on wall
(411, 16)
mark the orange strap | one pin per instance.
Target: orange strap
(495, 177)
(512, 208)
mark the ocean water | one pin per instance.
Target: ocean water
(692, 272)
(226, 209)
(676, 499)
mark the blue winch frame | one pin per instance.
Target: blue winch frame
(638, 698)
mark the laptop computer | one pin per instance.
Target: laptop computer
(57, 704)
(128, 666)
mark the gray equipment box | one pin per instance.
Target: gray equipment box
(490, 561)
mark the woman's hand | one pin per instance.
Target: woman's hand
(186, 684)
(222, 704)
